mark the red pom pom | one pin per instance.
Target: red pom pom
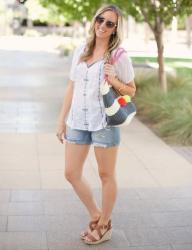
(122, 101)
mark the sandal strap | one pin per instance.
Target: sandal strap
(98, 228)
(92, 224)
(104, 227)
(108, 226)
(91, 237)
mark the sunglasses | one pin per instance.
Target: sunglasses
(108, 24)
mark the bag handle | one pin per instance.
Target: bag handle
(117, 54)
(115, 57)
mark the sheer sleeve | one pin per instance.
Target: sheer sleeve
(75, 58)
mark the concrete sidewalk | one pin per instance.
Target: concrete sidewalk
(38, 208)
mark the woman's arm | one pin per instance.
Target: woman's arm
(61, 126)
(123, 88)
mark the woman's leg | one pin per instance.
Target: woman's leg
(75, 156)
(106, 159)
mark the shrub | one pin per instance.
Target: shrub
(170, 115)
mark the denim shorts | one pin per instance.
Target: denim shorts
(107, 137)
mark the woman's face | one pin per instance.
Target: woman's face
(105, 24)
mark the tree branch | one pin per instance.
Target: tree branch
(146, 20)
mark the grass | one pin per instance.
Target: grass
(183, 67)
(154, 59)
(169, 115)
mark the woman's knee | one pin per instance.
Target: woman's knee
(106, 177)
(71, 175)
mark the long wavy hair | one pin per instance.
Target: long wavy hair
(115, 38)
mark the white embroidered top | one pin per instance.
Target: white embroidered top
(87, 110)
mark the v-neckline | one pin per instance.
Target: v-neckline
(94, 62)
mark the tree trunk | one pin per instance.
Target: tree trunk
(174, 35)
(162, 74)
(188, 29)
(147, 33)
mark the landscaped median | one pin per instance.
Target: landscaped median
(169, 115)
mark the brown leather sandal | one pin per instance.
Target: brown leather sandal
(91, 227)
(102, 236)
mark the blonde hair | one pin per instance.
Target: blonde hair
(115, 38)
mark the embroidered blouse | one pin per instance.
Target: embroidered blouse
(87, 110)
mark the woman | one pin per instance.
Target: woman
(82, 119)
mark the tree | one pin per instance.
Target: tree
(36, 12)
(157, 13)
(74, 9)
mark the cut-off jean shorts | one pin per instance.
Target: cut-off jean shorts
(106, 137)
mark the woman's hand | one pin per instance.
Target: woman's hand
(109, 70)
(61, 131)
